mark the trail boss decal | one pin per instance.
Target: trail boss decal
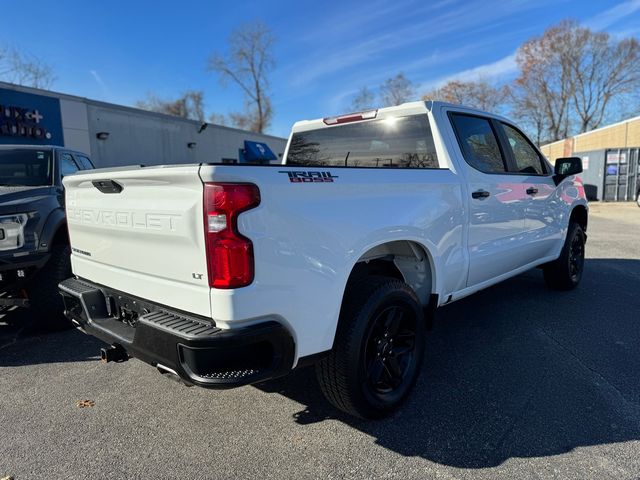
(309, 177)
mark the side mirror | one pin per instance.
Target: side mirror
(566, 167)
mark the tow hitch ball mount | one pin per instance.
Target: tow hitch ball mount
(114, 353)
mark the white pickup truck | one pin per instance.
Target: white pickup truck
(225, 275)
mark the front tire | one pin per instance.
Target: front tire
(46, 306)
(378, 348)
(565, 272)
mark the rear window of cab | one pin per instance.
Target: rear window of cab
(395, 142)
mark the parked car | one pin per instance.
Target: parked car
(34, 246)
(225, 275)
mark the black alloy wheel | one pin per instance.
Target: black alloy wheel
(389, 351)
(576, 258)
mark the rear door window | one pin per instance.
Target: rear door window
(526, 157)
(478, 142)
(397, 142)
(67, 165)
(83, 162)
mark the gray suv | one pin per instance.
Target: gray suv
(34, 244)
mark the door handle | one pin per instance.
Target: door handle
(480, 194)
(532, 191)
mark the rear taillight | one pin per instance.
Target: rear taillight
(229, 254)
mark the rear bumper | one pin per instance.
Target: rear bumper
(191, 347)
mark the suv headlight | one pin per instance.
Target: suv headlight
(12, 231)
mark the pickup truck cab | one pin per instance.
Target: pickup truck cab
(34, 248)
(225, 275)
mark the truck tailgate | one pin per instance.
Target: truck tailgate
(146, 239)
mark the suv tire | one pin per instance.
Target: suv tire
(46, 309)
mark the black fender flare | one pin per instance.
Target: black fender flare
(55, 221)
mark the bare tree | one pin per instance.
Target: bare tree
(601, 70)
(526, 109)
(545, 81)
(364, 100)
(24, 69)
(396, 90)
(188, 105)
(571, 77)
(478, 94)
(247, 65)
(218, 119)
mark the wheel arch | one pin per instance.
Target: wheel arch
(54, 230)
(406, 260)
(580, 215)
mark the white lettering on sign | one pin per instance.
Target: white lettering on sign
(585, 163)
(616, 158)
(22, 122)
(35, 116)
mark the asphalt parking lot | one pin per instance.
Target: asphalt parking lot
(518, 381)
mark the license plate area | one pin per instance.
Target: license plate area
(15, 277)
(127, 309)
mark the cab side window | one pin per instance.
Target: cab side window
(67, 165)
(83, 162)
(526, 157)
(478, 143)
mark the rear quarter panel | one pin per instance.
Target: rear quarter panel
(308, 236)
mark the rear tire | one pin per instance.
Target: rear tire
(378, 348)
(45, 302)
(565, 272)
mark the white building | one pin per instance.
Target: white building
(114, 135)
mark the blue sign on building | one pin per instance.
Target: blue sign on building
(26, 118)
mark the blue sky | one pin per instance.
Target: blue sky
(119, 51)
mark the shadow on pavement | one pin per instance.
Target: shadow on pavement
(515, 371)
(20, 346)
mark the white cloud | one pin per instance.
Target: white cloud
(490, 72)
(103, 86)
(613, 15)
(507, 66)
(625, 33)
(339, 101)
(353, 21)
(452, 21)
(373, 77)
